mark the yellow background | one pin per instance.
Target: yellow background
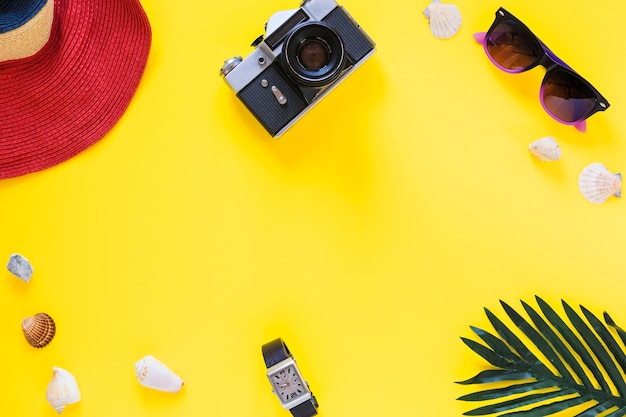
(369, 237)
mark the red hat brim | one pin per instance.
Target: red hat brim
(68, 95)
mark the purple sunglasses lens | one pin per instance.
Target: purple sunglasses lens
(512, 46)
(567, 97)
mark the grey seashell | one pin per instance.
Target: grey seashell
(20, 267)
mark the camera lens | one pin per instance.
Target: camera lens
(313, 54)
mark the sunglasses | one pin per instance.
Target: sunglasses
(565, 95)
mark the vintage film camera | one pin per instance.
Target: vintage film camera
(306, 52)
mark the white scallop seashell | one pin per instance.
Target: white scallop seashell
(152, 373)
(545, 149)
(597, 183)
(62, 389)
(444, 19)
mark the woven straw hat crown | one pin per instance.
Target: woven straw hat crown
(68, 71)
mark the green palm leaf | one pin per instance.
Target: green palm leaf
(563, 365)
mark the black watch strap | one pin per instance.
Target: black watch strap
(274, 352)
(306, 409)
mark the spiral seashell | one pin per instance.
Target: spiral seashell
(596, 183)
(444, 19)
(545, 149)
(152, 373)
(62, 389)
(39, 329)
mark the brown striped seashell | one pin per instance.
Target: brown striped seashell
(39, 329)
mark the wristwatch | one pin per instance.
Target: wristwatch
(287, 382)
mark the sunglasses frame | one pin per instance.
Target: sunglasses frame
(550, 62)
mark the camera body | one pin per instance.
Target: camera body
(305, 53)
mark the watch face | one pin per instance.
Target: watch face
(287, 384)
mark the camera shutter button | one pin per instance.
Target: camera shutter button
(282, 100)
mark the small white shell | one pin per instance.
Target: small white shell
(62, 389)
(545, 149)
(152, 373)
(597, 183)
(444, 19)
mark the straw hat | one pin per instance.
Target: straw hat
(68, 70)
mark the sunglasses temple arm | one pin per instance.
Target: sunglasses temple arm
(480, 37)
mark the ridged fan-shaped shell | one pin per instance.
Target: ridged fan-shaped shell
(596, 183)
(444, 19)
(39, 329)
